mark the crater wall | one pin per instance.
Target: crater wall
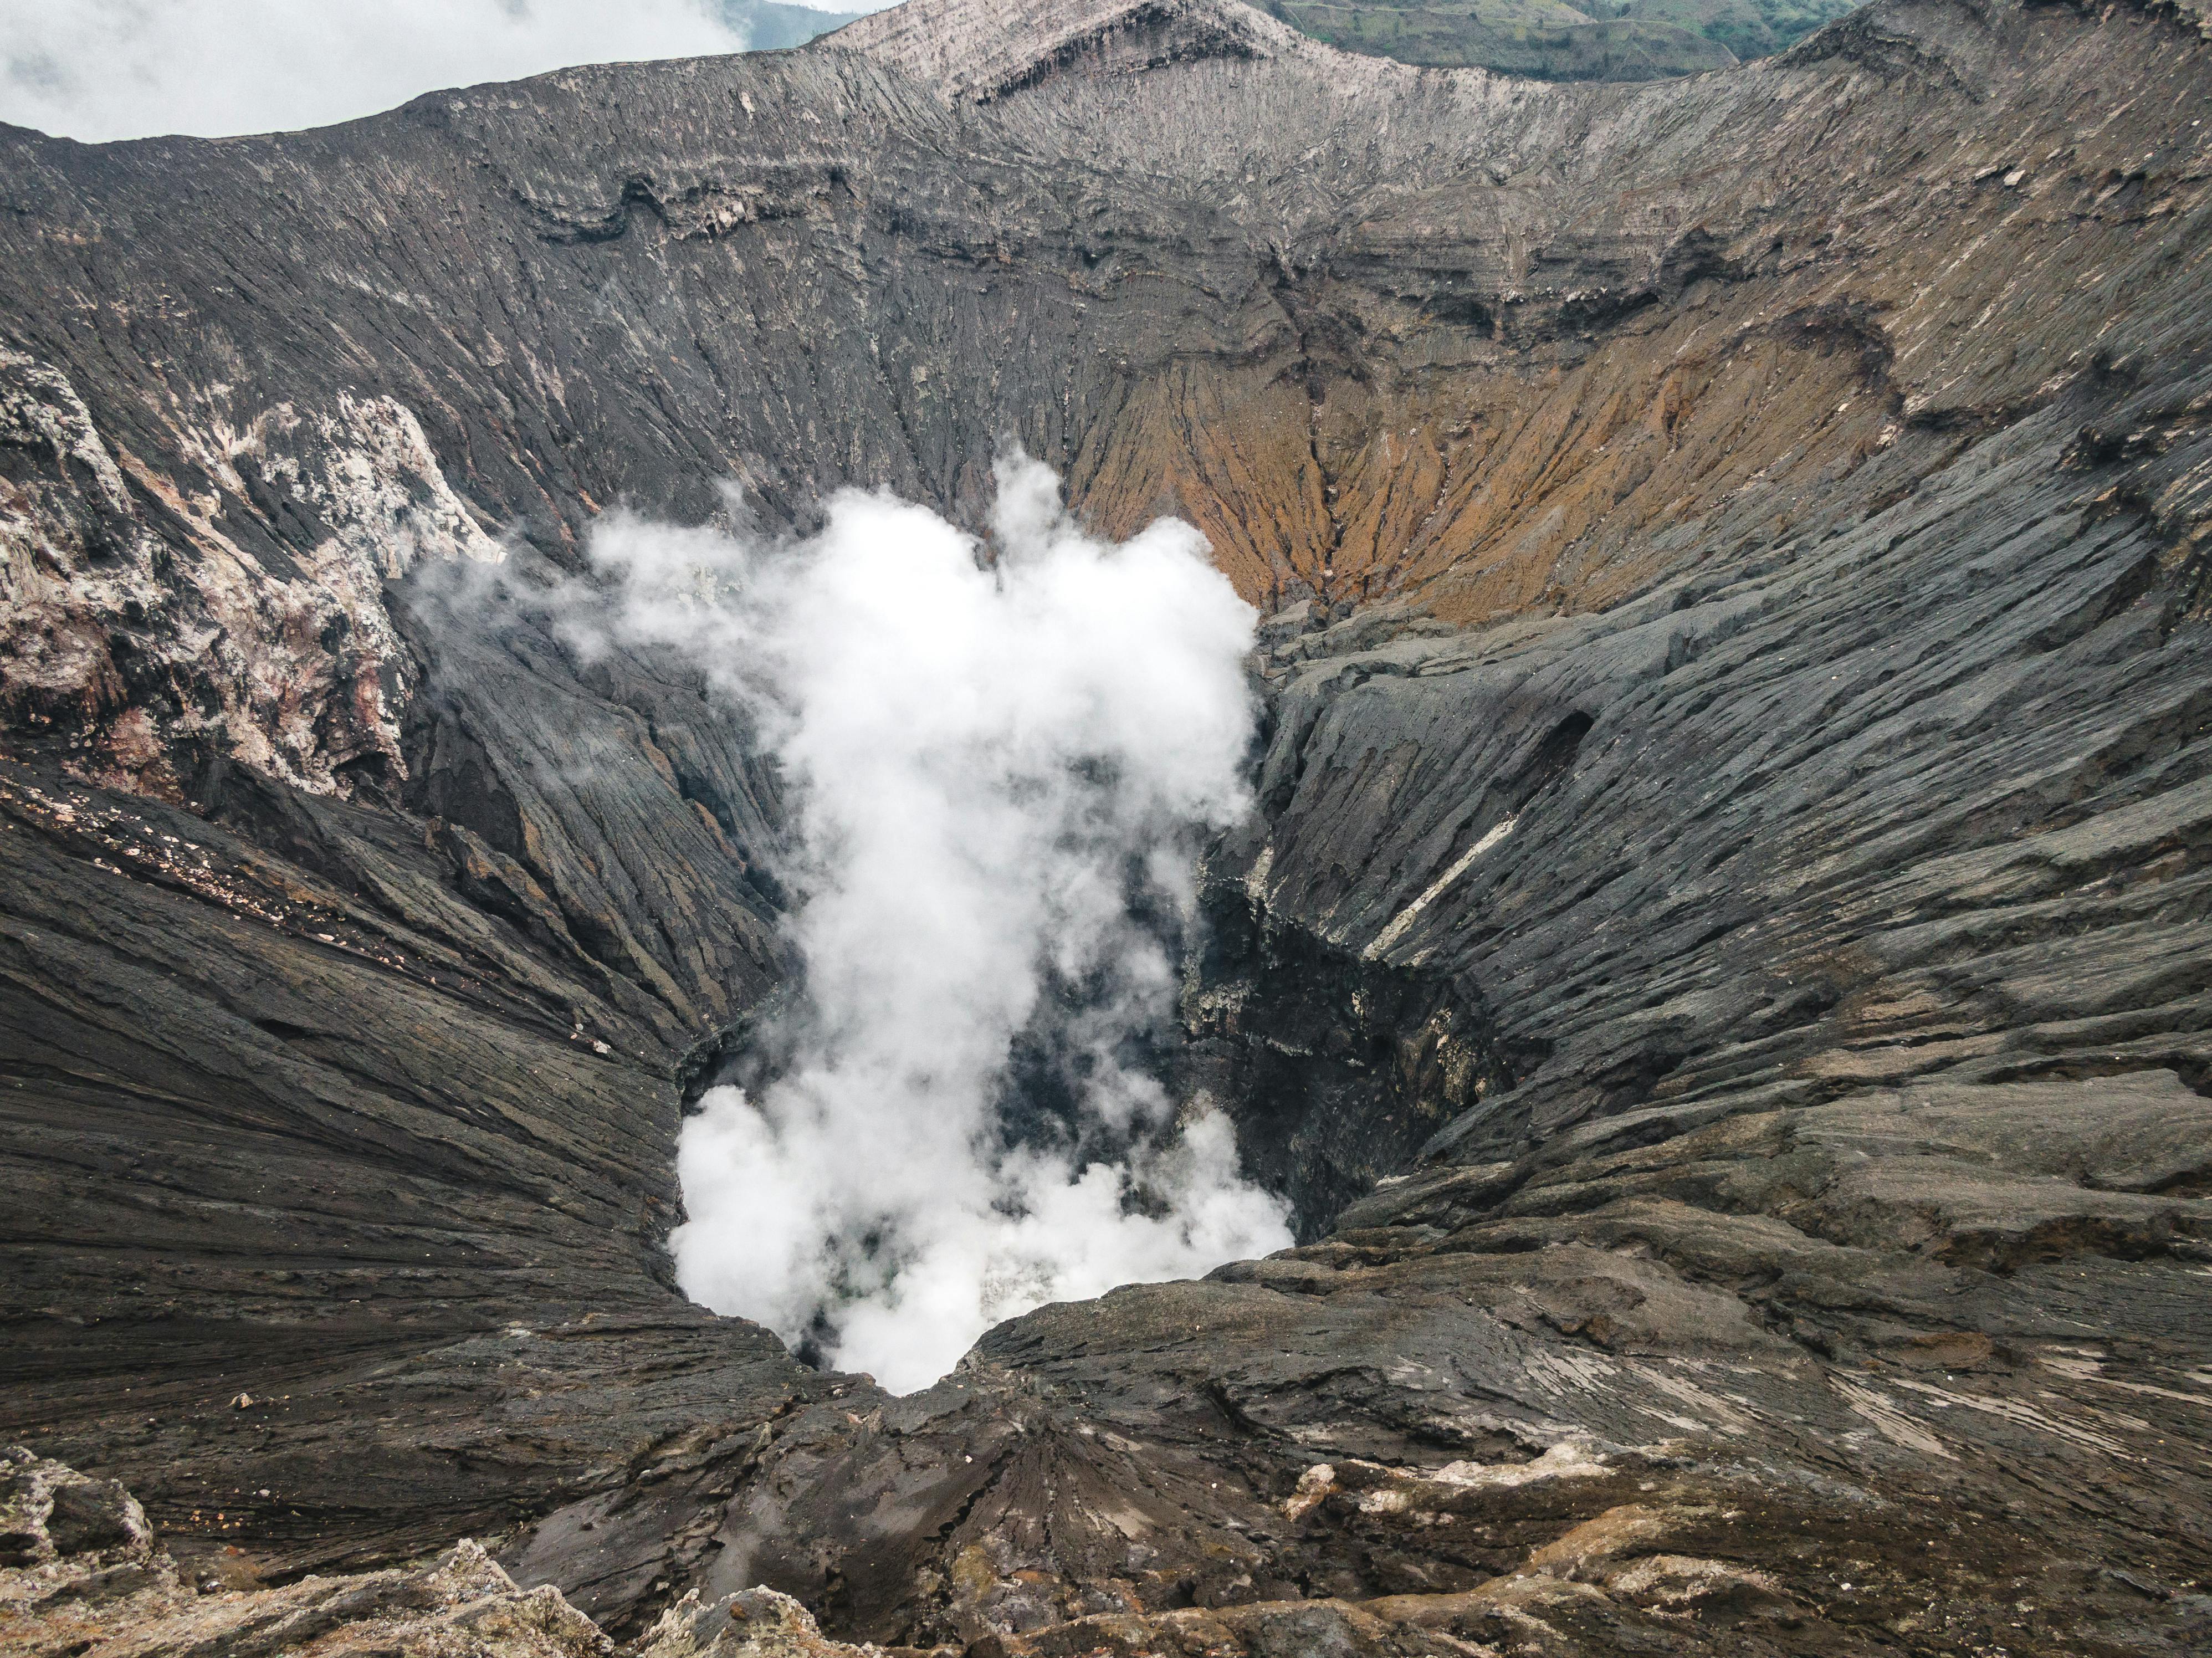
(1720, 955)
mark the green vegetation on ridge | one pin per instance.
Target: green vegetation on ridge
(771, 25)
(1553, 41)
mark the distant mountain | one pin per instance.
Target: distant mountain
(1749, 28)
(1551, 40)
(1546, 39)
(771, 27)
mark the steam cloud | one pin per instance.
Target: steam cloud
(97, 70)
(1000, 773)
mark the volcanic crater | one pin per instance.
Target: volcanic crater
(1719, 960)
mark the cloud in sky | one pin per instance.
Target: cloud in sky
(99, 70)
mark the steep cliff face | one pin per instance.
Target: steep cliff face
(1373, 329)
(1730, 859)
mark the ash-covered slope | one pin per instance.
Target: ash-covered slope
(1736, 794)
(1373, 328)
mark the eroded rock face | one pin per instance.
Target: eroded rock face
(1500, 345)
(138, 629)
(82, 1574)
(1719, 957)
(750, 1623)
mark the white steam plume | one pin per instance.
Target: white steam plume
(989, 766)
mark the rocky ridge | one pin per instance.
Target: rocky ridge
(81, 1573)
(1719, 959)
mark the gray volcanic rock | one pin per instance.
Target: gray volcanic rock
(81, 1573)
(1720, 959)
(94, 1582)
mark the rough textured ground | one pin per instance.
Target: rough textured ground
(82, 1572)
(1546, 39)
(1721, 959)
(769, 25)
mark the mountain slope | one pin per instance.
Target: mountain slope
(1718, 958)
(1601, 41)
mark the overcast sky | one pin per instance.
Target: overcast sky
(127, 69)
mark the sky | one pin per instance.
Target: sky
(998, 774)
(100, 69)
